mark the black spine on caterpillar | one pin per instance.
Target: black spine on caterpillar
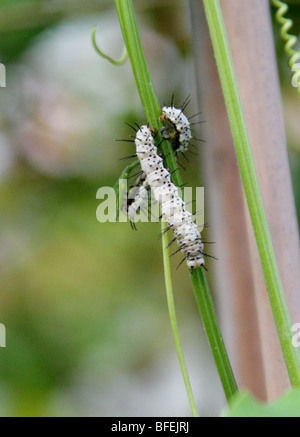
(173, 208)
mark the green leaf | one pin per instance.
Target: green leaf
(245, 405)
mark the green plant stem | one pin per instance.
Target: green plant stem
(252, 191)
(213, 332)
(172, 314)
(141, 74)
(152, 111)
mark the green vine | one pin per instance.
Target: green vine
(172, 314)
(152, 111)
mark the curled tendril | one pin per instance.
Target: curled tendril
(290, 40)
(124, 175)
(119, 61)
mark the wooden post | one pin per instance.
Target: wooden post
(251, 41)
(232, 274)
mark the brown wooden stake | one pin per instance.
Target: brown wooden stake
(251, 41)
(227, 219)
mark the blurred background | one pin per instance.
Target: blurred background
(87, 327)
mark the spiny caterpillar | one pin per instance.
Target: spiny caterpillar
(178, 129)
(173, 208)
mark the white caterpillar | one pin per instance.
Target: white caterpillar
(173, 208)
(178, 129)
